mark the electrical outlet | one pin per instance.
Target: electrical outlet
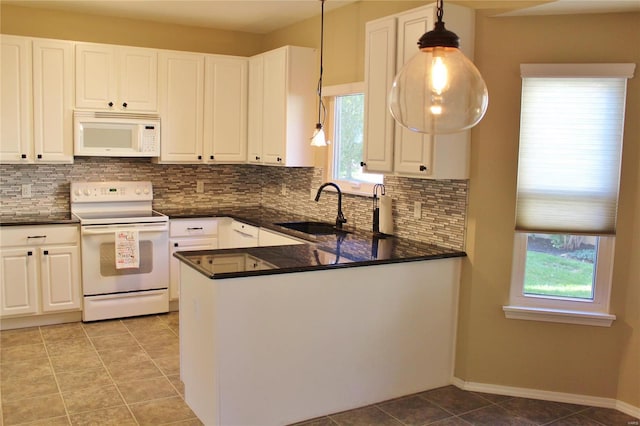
(283, 189)
(26, 190)
(312, 194)
(199, 186)
(417, 209)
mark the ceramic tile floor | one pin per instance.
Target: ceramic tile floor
(127, 372)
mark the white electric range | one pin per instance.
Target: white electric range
(125, 251)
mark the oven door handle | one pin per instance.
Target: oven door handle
(110, 229)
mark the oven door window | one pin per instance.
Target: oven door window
(108, 260)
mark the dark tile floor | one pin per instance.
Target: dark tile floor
(450, 406)
(127, 372)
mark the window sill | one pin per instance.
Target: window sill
(557, 315)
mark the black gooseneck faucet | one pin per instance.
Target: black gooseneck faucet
(340, 218)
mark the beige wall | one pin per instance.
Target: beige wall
(595, 361)
(603, 362)
(343, 37)
(29, 21)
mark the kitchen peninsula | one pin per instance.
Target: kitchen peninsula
(310, 329)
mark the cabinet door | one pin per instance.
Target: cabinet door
(274, 115)
(228, 263)
(242, 235)
(269, 238)
(413, 151)
(15, 96)
(225, 109)
(380, 54)
(53, 101)
(95, 76)
(60, 278)
(185, 244)
(138, 79)
(427, 156)
(181, 77)
(18, 282)
(255, 109)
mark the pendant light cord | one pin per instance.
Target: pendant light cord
(321, 107)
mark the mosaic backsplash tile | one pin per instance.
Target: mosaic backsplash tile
(290, 189)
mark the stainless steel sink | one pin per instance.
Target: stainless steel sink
(313, 228)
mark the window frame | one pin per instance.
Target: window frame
(329, 95)
(562, 309)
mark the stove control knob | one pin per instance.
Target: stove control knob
(138, 191)
(78, 192)
(87, 192)
(146, 191)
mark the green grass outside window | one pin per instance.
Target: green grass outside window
(552, 275)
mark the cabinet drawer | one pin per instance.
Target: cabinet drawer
(38, 235)
(243, 228)
(192, 227)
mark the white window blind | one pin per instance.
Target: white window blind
(572, 120)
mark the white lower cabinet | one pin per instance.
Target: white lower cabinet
(271, 238)
(242, 235)
(219, 233)
(188, 235)
(39, 270)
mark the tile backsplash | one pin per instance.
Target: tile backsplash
(291, 189)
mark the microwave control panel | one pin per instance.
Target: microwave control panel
(149, 139)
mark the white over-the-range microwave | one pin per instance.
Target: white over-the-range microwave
(116, 134)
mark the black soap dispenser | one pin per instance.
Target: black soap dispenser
(376, 206)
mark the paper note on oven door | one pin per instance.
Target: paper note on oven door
(127, 249)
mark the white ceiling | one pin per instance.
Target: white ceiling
(264, 16)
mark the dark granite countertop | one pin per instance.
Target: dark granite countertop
(355, 248)
(37, 218)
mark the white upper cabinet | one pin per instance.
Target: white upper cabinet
(256, 102)
(53, 101)
(181, 76)
(203, 107)
(225, 109)
(391, 42)
(380, 69)
(282, 94)
(116, 78)
(37, 101)
(16, 141)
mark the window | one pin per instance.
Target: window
(571, 123)
(345, 129)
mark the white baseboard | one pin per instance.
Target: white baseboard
(38, 320)
(569, 398)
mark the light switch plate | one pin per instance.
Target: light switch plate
(417, 210)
